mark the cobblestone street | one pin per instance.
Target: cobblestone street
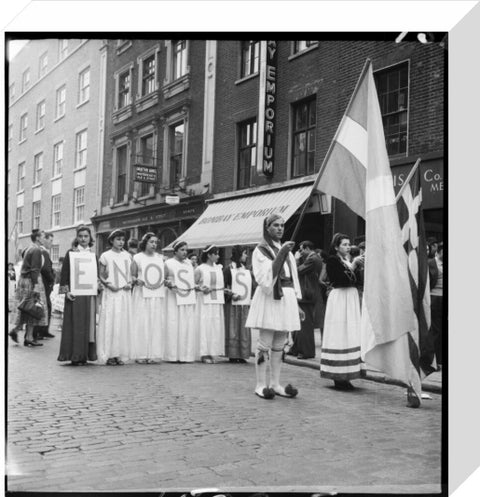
(185, 426)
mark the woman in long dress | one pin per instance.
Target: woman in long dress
(340, 358)
(180, 341)
(114, 341)
(79, 313)
(238, 338)
(148, 301)
(209, 311)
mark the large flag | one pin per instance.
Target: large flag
(409, 207)
(357, 171)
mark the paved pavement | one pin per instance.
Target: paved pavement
(176, 427)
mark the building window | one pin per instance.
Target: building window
(60, 100)
(81, 149)
(179, 58)
(19, 219)
(148, 75)
(23, 127)
(40, 115)
(392, 88)
(37, 168)
(84, 86)
(36, 215)
(11, 92)
(57, 158)
(10, 137)
(124, 89)
(303, 139)
(79, 204)
(25, 80)
(146, 157)
(43, 65)
(301, 45)
(21, 177)
(56, 209)
(176, 140)
(247, 152)
(250, 57)
(122, 170)
(55, 253)
(62, 49)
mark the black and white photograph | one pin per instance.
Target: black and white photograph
(224, 262)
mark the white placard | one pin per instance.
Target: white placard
(153, 274)
(183, 277)
(213, 278)
(242, 285)
(83, 273)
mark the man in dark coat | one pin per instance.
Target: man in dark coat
(48, 276)
(435, 266)
(309, 267)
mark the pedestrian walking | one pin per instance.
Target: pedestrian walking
(30, 289)
(114, 340)
(274, 309)
(435, 265)
(12, 285)
(78, 340)
(340, 357)
(209, 308)
(148, 301)
(238, 338)
(180, 340)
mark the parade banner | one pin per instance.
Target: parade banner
(242, 285)
(83, 273)
(153, 275)
(183, 277)
(213, 278)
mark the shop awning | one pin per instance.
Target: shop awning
(239, 221)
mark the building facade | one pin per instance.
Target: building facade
(55, 114)
(158, 129)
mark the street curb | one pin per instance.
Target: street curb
(370, 375)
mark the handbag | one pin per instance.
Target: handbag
(32, 306)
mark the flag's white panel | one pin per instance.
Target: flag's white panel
(381, 193)
(355, 139)
(240, 221)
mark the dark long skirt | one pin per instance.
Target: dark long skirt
(304, 339)
(78, 330)
(238, 339)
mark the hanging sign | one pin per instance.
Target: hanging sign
(83, 273)
(242, 285)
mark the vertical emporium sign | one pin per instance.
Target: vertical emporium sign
(267, 108)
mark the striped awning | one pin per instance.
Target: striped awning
(239, 221)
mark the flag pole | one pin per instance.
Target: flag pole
(407, 181)
(329, 151)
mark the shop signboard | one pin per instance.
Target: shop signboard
(145, 174)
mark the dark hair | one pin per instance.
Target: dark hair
(116, 234)
(133, 242)
(36, 233)
(237, 252)
(178, 245)
(10, 264)
(361, 245)
(211, 249)
(192, 254)
(336, 241)
(440, 246)
(307, 244)
(143, 242)
(324, 254)
(80, 228)
(48, 234)
(354, 250)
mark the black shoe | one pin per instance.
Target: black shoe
(14, 336)
(28, 343)
(48, 335)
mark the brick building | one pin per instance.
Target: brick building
(54, 140)
(158, 128)
(311, 84)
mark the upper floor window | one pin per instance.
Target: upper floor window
(57, 158)
(21, 177)
(60, 102)
(10, 137)
(19, 219)
(250, 57)
(122, 172)
(36, 209)
(81, 149)
(79, 204)
(301, 45)
(25, 80)
(124, 89)
(43, 64)
(84, 86)
(148, 74)
(392, 88)
(247, 152)
(55, 253)
(56, 210)
(176, 140)
(23, 127)
(62, 49)
(303, 138)
(11, 92)
(37, 168)
(146, 157)
(40, 115)
(179, 58)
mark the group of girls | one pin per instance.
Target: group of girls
(183, 313)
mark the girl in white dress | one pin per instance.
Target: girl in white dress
(149, 303)
(114, 345)
(180, 295)
(210, 300)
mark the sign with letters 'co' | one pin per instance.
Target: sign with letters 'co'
(242, 285)
(83, 273)
(183, 277)
(153, 275)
